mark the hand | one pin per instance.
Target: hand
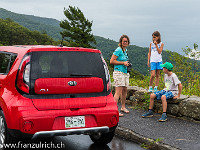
(148, 64)
(155, 42)
(126, 63)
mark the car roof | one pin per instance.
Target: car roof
(23, 49)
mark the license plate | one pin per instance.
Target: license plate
(77, 121)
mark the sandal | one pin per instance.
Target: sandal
(125, 110)
(121, 115)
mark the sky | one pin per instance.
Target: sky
(178, 21)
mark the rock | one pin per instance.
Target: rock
(174, 101)
(190, 107)
(140, 95)
(196, 98)
(136, 88)
(158, 107)
(130, 93)
(184, 107)
(173, 109)
(132, 98)
(182, 97)
(129, 102)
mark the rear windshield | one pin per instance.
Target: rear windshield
(63, 64)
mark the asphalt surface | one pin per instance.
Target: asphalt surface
(73, 142)
(83, 142)
(175, 133)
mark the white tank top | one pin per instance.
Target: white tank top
(155, 56)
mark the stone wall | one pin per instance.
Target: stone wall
(186, 107)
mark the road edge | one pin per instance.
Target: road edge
(133, 136)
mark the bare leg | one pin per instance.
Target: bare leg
(152, 97)
(157, 77)
(124, 94)
(152, 77)
(118, 92)
(164, 103)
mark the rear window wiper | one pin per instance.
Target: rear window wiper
(81, 75)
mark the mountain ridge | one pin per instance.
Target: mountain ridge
(41, 24)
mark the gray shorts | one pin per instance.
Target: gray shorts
(121, 79)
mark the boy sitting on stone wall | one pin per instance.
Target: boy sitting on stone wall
(173, 88)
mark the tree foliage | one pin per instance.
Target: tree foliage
(11, 33)
(188, 71)
(41, 24)
(77, 29)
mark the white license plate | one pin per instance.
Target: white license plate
(77, 121)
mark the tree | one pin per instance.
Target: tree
(187, 71)
(11, 33)
(77, 29)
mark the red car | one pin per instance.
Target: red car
(48, 91)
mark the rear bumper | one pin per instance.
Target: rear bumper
(49, 134)
(29, 120)
(88, 131)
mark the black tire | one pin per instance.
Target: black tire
(5, 137)
(102, 138)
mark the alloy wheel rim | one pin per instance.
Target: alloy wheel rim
(2, 130)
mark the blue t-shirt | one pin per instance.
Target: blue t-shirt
(121, 56)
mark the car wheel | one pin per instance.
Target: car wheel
(5, 137)
(102, 138)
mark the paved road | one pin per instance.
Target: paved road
(179, 133)
(77, 142)
(82, 142)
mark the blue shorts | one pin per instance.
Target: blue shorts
(156, 65)
(159, 94)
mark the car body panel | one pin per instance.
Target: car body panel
(68, 85)
(47, 114)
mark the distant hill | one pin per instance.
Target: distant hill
(11, 33)
(44, 25)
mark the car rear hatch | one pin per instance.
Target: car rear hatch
(67, 79)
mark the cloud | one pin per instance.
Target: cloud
(177, 20)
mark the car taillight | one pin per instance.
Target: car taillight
(23, 77)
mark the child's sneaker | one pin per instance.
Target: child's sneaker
(155, 89)
(148, 114)
(163, 118)
(150, 89)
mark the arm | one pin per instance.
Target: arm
(114, 61)
(149, 55)
(159, 49)
(179, 91)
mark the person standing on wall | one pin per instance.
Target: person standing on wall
(155, 60)
(120, 74)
